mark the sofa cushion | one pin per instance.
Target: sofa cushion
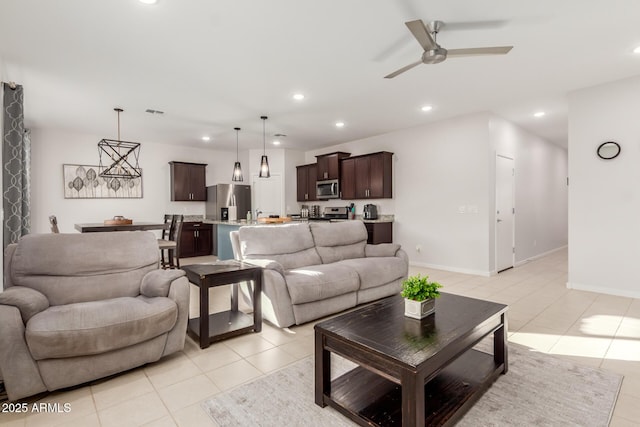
(381, 249)
(336, 241)
(98, 326)
(291, 245)
(73, 268)
(318, 282)
(376, 271)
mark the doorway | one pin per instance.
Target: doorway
(267, 194)
(505, 213)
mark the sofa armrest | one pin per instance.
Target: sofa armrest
(268, 264)
(19, 371)
(383, 249)
(156, 283)
(29, 301)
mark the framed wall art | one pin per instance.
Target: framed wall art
(83, 182)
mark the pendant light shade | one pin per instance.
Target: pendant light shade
(264, 162)
(237, 169)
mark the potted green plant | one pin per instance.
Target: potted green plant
(419, 296)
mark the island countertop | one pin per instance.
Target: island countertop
(242, 222)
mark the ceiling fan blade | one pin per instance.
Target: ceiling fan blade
(421, 33)
(475, 51)
(402, 70)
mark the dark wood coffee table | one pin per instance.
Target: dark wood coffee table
(207, 328)
(410, 372)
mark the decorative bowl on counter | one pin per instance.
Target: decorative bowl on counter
(118, 220)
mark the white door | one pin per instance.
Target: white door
(267, 195)
(505, 213)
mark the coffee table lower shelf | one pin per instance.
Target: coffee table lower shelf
(223, 325)
(451, 392)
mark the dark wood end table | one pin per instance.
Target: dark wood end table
(410, 372)
(229, 323)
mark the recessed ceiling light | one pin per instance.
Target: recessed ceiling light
(206, 138)
(339, 124)
(427, 108)
(148, 1)
(276, 142)
(539, 114)
(636, 50)
(298, 96)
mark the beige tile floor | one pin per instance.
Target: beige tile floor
(588, 328)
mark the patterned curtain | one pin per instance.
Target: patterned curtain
(16, 164)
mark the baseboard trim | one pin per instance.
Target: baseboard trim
(452, 269)
(535, 257)
(601, 290)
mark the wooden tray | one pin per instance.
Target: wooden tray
(118, 221)
(274, 220)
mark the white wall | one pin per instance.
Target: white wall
(540, 189)
(51, 149)
(436, 168)
(604, 195)
(442, 166)
(292, 158)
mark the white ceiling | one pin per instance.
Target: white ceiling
(213, 65)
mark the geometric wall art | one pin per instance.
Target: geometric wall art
(83, 182)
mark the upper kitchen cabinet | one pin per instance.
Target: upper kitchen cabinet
(306, 182)
(329, 165)
(367, 177)
(188, 182)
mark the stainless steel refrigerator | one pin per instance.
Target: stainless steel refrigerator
(225, 195)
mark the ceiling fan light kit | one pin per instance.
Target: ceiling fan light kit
(121, 156)
(434, 53)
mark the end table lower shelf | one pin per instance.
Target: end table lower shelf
(223, 325)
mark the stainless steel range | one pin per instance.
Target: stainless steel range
(329, 213)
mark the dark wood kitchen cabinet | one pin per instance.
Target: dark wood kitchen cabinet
(306, 182)
(379, 232)
(367, 177)
(329, 165)
(188, 182)
(196, 239)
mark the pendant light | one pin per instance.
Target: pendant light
(264, 162)
(237, 169)
(118, 158)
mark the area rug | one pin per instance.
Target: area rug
(538, 390)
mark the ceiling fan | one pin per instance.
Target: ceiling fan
(433, 53)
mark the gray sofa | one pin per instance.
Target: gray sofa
(77, 307)
(315, 269)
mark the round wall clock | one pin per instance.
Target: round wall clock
(608, 150)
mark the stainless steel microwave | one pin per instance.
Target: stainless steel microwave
(328, 189)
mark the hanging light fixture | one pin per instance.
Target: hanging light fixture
(120, 156)
(264, 162)
(237, 169)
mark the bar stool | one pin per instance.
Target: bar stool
(170, 241)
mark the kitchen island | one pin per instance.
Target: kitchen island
(223, 228)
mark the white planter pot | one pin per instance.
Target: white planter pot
(419, 309)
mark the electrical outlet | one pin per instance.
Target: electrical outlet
(418, 248)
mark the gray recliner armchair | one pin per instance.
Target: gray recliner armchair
(78, 307)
